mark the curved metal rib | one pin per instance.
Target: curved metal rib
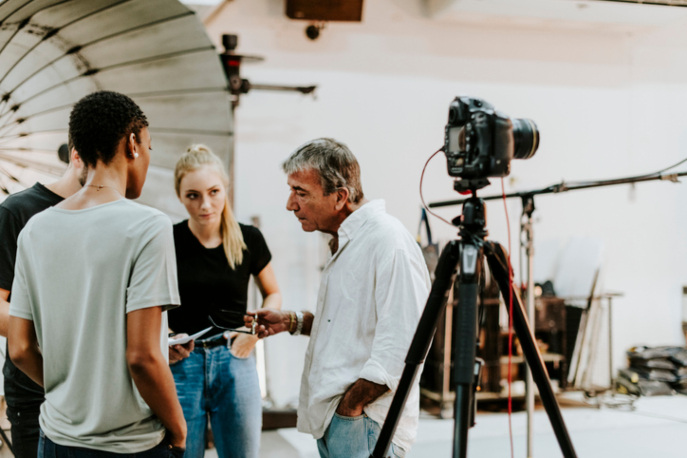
(52, 33)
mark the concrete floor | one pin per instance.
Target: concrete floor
(657, 428)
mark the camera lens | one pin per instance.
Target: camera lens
(526, 138)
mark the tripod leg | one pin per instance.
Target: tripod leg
(498, 264)
(465, 343)
(444, 273)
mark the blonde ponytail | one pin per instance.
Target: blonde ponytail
(196, 157)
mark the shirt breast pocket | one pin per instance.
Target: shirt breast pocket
(350, 300)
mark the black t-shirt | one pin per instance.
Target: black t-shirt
(208, 286)
(15, 211)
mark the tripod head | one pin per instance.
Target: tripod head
(473, 221)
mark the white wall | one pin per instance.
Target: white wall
(608, 104)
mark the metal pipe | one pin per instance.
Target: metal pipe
(279, 87)
(529, 382)
(610, 345)
(563, 187)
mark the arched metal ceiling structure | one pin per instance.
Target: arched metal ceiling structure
(54, 52)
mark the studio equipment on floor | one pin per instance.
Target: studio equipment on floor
(654, 371)
(479, 143)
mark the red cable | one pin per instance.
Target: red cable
(510, 326)
(422, 177)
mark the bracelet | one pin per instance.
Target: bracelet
(292, 319)
(299, 327)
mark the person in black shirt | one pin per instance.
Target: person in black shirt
(24, 397)
(216, 257)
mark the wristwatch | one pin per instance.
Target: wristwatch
(299, 324)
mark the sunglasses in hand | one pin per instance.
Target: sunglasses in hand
(237, 316)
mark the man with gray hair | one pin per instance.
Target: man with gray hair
(372, 293)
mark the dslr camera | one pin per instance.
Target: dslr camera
(480, 142)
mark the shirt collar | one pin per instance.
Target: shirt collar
(359, 217)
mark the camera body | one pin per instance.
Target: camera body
(480, 141)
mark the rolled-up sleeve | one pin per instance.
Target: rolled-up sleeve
(401, 290)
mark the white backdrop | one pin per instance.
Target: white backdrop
(607, 103)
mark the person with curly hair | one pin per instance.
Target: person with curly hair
(94, 277)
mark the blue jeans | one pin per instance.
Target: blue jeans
(353, 437)
(49, 449)
(214, 382)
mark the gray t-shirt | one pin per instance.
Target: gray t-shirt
(78, 273)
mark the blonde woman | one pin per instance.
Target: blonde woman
(215, 258)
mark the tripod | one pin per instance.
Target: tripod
(464, 259)
(528, 208)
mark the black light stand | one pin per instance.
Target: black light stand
(466, 255)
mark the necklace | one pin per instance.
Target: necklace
(98, 187)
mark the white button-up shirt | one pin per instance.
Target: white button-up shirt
(372, 293)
